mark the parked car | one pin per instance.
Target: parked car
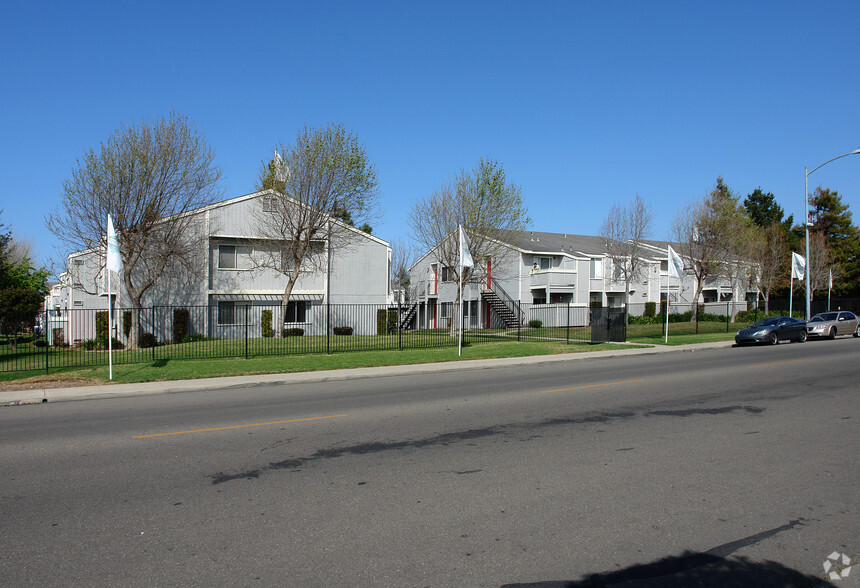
(830, 324)
(773, 330)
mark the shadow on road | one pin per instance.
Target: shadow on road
(692, 569)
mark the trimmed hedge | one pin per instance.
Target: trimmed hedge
(146, 340)
(342, 330)
(266, 323)
(294, 332)
(650, 309)
(381, 327)
(102, 326)
(535, 323)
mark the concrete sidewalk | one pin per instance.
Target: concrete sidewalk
(35, 395)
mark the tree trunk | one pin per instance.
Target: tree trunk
(285, 301)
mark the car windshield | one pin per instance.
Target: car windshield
(827, 316)
(766, 322)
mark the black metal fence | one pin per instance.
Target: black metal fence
(79, 337)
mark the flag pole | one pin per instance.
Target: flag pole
(667, 306)
(790, 294)
(110, 307)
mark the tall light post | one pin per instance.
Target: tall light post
(806, 225)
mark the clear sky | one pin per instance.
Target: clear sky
(584, 103)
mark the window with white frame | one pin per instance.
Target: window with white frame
(597, 268)
(234, 257)
(270, 204)
(447, 274)
(542, 263)
(232, 312)
(446, 310)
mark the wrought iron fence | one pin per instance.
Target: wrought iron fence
(79, 337)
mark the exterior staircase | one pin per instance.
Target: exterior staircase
(504, 311)
(407, 314)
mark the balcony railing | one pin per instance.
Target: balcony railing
(553, 277)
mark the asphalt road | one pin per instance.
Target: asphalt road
(722, 467)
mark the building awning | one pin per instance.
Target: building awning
(271, 298)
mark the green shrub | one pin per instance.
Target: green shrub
(342, 330)
(643, 320)
(535, 323)
(294, 332)
(266, 323)
(595, 304)
(102, 326)
(100, 344)
(146, 340)
(650, 309)
(194, 338)
(41, 342)
(181, 318)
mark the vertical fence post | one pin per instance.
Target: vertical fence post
(45, 329)
(247, 306)
(728, 316)
(519, 314)
(153, 333)
(399, 325)
(696, 310)
(567, 323)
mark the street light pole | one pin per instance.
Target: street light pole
(806, 224)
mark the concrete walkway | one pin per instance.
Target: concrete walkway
(36, 395)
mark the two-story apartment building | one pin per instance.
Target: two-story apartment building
(540, 269)
(232, 283)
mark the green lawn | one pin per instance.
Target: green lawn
(683, 333)
(169, 368)
(227, 357)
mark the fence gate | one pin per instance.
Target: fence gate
(608, 324)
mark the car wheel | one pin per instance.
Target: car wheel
(832, 334)
(857, 332)
(774, 338)
(802, 337)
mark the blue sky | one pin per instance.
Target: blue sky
(584, 103)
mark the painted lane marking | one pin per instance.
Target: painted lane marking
(591, 386)
(334, 416)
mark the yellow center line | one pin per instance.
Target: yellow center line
(590, 386)
(776, 363)
(334, 416)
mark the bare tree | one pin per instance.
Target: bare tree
(402, 255)
(738, 237)
(820, 262)
(320, 181)
(482, 201)
(705, 231)
(148, 177)
(769, 254)
(623, 231)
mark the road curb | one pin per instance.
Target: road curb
(43, 395)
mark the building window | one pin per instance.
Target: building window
(597, 268)
(296, 312)
(447, 274)
(270, 204)
(234, 257)
(78, 303)
(543, 263)
(446, 310)
(233, 313)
